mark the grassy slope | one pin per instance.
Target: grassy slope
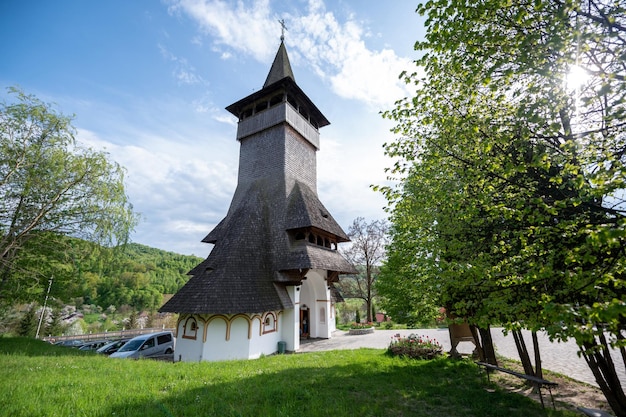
(40, 379)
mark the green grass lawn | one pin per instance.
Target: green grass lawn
(44, 380)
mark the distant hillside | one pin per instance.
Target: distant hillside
(83, 272)
(139, 275)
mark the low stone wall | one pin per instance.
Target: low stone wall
(361, 331)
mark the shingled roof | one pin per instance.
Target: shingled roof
(304, 209)
(315, 257)
(281, 68)
(238, 275)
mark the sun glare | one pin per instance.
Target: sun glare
(576, 77)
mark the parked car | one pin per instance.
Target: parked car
(147, 345)
(93, 345)
(70, 343)
(112, 347)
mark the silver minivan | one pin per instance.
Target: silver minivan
(146, 345)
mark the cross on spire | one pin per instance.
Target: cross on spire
(283, 28)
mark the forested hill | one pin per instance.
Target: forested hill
(138, 276)
(83, 272)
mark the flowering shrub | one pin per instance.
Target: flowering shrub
(414, 346)
(362, 325)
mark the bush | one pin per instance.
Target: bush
(358, 325)
(416, 347)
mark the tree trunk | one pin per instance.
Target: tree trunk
(525, 355)
(368, 308)
(484, 344)
(370, 319)
(538, 366)
(598, 357)
(487, 343)
(523, 352)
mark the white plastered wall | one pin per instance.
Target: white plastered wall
(315, 295)
(231, 337)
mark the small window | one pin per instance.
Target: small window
(269, 323)
(190, 329)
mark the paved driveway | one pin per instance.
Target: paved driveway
(557, 357)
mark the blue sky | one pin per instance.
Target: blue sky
(148, 82)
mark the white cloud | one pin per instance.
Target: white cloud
(184, 72)
(336, 50)
(179, 192)
(241, 25)
(339, 53)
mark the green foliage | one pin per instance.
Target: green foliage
(132, 321)
(54, 326)
(132, 274)
(51, 186)
(38, 379)
(510, 205)
(28, 323)
(138, 275)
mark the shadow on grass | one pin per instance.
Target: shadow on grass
(26, 346)
(399, 387)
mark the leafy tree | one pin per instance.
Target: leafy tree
(50, 185)
(55, 325)
(366, 252)
(133, 320)
(510, 204)
(406, 285)
(28, 323)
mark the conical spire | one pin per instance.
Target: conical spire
(281, 68)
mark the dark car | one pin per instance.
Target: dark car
(112, 347)
(70, 343)
(93, 345)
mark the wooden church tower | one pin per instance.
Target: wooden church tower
(268, 282)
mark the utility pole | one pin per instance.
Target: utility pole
(43, 310)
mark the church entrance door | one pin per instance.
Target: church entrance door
(304, 323)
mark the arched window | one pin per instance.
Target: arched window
(190, 329)
(269, 323)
